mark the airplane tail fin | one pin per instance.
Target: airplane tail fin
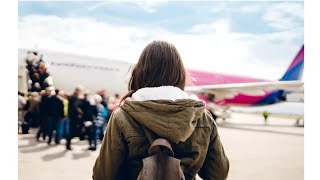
(294, 72)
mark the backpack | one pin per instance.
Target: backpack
(161, 164)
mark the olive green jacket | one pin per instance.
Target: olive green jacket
(185, 123)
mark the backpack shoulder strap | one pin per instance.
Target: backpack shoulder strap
(161, 145)
(157, 144)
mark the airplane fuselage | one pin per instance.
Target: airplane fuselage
(69, 71)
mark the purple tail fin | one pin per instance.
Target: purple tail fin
(294, 72)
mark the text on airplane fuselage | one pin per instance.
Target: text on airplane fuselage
(84, 66)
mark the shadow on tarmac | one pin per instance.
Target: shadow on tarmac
(32, 147)
(32, 142)
(27, 137)
(37, 149)
(61, 154)
(84, 154)
(50, 157)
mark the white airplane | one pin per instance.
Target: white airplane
(70, 70)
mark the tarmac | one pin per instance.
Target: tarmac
(257, 151)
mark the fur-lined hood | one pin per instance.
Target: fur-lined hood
(161, 93)
(168, 111)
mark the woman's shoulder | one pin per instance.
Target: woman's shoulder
(207, 120)
(119, 116)
(125, 123)
(119, 113)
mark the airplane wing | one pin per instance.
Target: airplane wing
(222, 91)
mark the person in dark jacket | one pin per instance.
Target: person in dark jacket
(75, 114)
(87, 110)
(102, 93)
(158, 103)
(35, 86)
(44, 111)
(45, 80)
(55, 114)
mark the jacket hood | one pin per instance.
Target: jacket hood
(171, 118)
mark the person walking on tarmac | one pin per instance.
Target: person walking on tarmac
(97, 127)
(156, 102)
(75, 114)
(32, 110)
(63, 124)
(44, 110)
(87, 115)
(55, 114)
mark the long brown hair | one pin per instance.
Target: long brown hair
(159, 64)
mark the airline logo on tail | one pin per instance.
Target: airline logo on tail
(294, 71)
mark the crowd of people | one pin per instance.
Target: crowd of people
(58, 115)
(61, 116)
